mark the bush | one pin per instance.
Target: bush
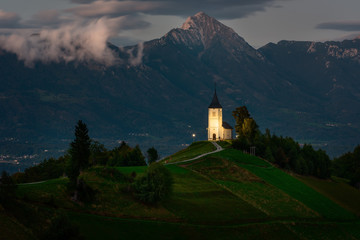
(114, 175)
(155, 185)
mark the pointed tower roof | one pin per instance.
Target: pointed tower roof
(215, 101)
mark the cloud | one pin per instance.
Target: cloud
(9, 19)
(75, 42)
(224, 9)
(349, 26)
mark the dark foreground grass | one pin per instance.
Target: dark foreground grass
(194, 150)
(12, 229)
(98, 227)
(328, 231)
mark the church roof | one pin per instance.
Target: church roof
(215, 102)
(226, 125)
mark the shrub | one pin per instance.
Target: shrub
(155, 185)
(114, 175)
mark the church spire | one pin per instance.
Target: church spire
(215, 101)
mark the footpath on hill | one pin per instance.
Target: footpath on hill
(218, 149)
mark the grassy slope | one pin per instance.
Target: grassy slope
(288, 184)
(210, 201)
(198, 200)
(338, 191)
(10, 228)
(97, 227)
(192, 151)
(274, 202)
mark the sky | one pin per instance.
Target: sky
(134, 21)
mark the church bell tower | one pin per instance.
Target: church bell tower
(215, 121)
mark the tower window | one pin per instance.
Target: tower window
(214, 114)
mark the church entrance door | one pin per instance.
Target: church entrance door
(214, 136)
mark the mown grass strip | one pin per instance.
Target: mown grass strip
(300, 191)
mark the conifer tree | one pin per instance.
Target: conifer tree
(80, 153)
(152, 155)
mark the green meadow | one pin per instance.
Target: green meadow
(224, 195)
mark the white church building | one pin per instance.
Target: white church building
(217, 129)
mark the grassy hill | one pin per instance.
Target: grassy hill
(194, 150)
(224, 195)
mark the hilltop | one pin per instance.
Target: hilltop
(224, 195)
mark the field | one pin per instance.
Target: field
(252, 189)
(224, 195)
(289, 185)
(338, 191)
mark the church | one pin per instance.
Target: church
(217, 129)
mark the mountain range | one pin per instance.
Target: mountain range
(307, 90)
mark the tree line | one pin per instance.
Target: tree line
(282, 151)
(88, 153)
(348, 166)
(85, 153)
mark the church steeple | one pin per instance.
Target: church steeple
(215, 101)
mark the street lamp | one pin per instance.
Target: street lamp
(193, 135)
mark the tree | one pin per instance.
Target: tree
(79, 154)
(155, 185)
(269, 155)
(249, 129)
(240, 114)
(348, 166)
(152, 155)
(124, 155)
(98, 153)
